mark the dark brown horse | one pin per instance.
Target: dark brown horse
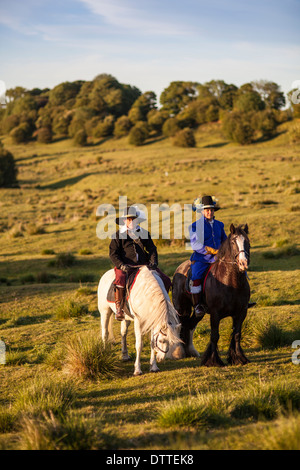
(226, 293)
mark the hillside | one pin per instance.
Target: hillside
(53, 211)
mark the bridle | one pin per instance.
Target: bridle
(235, 256)
(154, 342)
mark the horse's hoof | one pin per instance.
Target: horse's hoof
(135, 374)
(126, 359)
(154, 371)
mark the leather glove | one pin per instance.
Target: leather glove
(210, 251)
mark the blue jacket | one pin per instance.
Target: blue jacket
(203, 234)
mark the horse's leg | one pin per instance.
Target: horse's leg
(106, 326)
(124, 330)
(153, 364)
(211, 356)
(235, 353)
(138, 347)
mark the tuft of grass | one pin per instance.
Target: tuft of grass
(7, 420)
(283, 252)
(49, 432)
(63, 260)
(34, 229)
(267, 402)
(89, 358)
(71, 309)
(270, 335)
(43, 395)
(284, 434)
(48, 251)
(200, 411)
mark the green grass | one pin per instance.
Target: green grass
(53, 394)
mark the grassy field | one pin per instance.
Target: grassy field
(48, 302)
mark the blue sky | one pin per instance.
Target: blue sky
(149, 43)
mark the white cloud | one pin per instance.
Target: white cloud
(126, 15)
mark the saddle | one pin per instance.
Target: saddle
(188, 281)
(129, 283)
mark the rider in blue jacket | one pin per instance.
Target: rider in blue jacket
(206, 236)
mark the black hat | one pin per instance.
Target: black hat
(131, 212)
(206, 202)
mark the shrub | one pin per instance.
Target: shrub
(236, 127)
(185, 138)
(80, 138)
(170, 127)
(138, 134)
(44, 135)
(122, 126)
(8, 169)
(21, 133)
(63, 260)
(105, 128)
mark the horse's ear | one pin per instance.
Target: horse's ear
(232, 228)
(246, 230)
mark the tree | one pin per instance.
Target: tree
(247, 99)
(65, 93)
(21, 133)
(80, 138)
(222, 93)
(170, 127)
(270, 94)
(142, 106)
(8, 169)
(177, 95)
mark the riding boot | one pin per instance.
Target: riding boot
(119, 300)
(199, 308)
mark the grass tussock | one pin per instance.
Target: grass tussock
(63, 260)
(282, 252)
(50, 432)
(87, 357)
(71, 309)
(45, 394)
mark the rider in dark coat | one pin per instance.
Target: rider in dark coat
(131, 246)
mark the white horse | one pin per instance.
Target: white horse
(151, 311)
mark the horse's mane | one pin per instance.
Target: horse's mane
(225, 245)
(150, 292)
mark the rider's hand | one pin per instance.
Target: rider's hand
(210, 251)
(124, 267)
(152, 265)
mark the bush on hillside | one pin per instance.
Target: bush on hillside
(138, 134)
(21, 133)
(185, 138)
(44, 135)
(122, 126)
(80, 138)
(237, 128)
(8, 169)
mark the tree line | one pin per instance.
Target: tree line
(104, 107)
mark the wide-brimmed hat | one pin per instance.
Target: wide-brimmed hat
(131, 212)
(206, 202)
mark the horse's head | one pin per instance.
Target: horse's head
(240, 246)
(166, 342)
